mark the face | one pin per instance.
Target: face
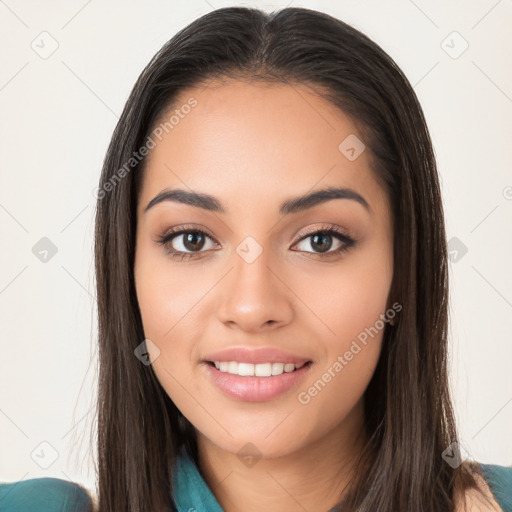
(251, 270)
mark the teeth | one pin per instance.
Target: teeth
(258, 370)
(277, 368)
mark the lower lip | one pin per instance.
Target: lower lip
(255, 389)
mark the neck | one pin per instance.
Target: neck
(316, 477)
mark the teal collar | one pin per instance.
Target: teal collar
(191, 490)
(193, 494)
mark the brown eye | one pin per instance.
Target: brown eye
(321, 241)
(185, 243)
(193, 241)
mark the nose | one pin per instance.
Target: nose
(254, 297)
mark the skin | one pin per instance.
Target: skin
(253, 146)
(477, 500)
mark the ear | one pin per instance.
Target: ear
(392, 310)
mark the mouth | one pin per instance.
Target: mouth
(256, 382)
(257, 370)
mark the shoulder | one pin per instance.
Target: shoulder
(494, 493)
(44, 495)
(499, 480)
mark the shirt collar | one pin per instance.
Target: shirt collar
(191, 490)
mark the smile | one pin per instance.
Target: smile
(241, 382)
(258, 370)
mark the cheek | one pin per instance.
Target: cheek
(343, 302)
(164, 293)
(334, 395)
(164, 317)
(169, 303)
(349, 356)
(349, 303)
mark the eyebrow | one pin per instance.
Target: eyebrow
(297, 204)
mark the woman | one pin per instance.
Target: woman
(272, 282)
(270, 245)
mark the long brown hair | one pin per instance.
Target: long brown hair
(408, 411)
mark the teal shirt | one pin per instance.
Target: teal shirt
(43, 495)
(192, 491)
(499, 479)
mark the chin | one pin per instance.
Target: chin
(269, 443)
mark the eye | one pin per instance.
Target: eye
(184, 242)
(321, 241)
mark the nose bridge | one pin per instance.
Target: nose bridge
(254, 295)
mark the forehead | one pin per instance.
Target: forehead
(255, 140)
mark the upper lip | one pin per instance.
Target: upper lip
(256, 356)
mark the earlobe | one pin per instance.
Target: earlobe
(394, 310)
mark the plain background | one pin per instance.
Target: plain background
(57, 117)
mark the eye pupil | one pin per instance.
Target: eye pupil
(324, 240)
(191, 241)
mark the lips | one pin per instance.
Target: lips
(255, 389)
(256, 356)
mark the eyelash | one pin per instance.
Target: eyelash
(347, 241)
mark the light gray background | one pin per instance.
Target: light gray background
(57, 116)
